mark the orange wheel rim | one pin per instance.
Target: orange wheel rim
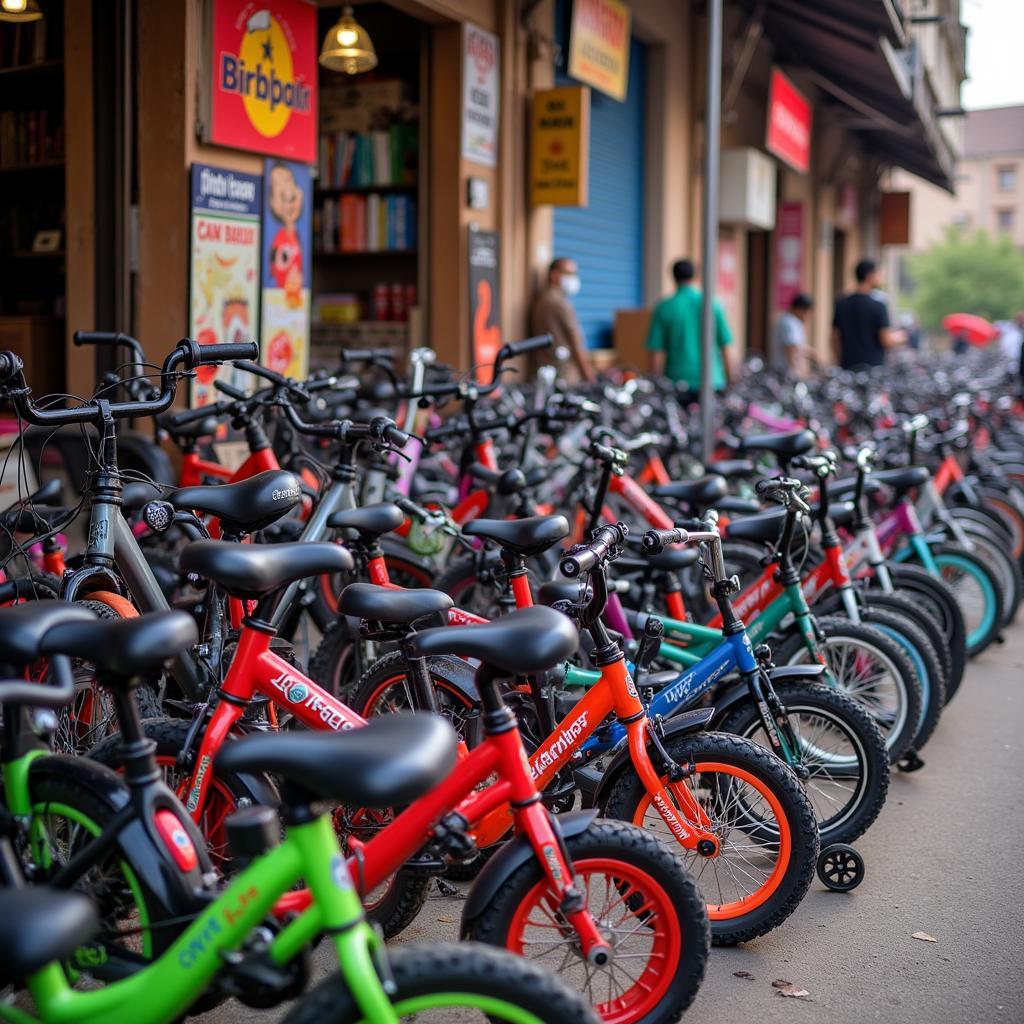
(729, 909)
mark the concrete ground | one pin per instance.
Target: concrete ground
(942, 859)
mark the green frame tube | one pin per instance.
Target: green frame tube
(165, 989)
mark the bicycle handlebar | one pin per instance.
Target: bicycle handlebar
(37, 694)
(511, 349)
(602, 546)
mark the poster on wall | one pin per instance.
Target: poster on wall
(484, 299)
(262, 93)
(728, 277)
(287, 240)
(599, 45)
(224, 278)
(480, 96)
(560, 146)
(789, 253)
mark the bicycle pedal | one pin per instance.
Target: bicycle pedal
(446, 889)
(424, 866)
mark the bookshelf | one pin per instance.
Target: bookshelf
(367, 197)
(32, 175)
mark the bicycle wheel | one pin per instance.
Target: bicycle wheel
(934, 596)
(977, 592)
(872, 669)
(642, 900)
(67, 815)
(918, 648)
(443, 984)
(841, 748)
(1006, 569)
(763, 820)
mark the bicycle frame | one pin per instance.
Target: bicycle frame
(166, 988)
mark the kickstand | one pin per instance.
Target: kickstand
(446, 888)
(910, 762)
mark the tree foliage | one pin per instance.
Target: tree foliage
(968, 274)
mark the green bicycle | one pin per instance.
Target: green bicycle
(231, 947)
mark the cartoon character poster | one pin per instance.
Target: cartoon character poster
(484, 299)
(263, 91)
(287, 237)
(225, 271)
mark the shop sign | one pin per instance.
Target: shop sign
(560, 146)
(728, 275)
(287, 240)
(263, 88)
(599, 45)
(480, 96)
(484, 299)
(789, 253)
(224, 278)
(789, 123)
(894, 219)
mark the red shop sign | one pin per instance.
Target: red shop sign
(789, 123)
(264, 77)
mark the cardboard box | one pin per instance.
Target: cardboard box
(630, 336)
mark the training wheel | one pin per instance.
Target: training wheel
(840, 867)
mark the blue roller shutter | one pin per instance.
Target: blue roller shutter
(607, 237)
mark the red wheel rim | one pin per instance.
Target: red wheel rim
(220, 803)
(635, 915)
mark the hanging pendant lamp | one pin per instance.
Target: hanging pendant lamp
(347, 46)
(20, 10)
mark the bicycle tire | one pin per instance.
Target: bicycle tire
(674, 920)
(906, 687)
(955, 559)
(866, 743)
(484, 976)
(759, 912)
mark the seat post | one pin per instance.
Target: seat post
(498, 717)
(137, 750)
(418, 674)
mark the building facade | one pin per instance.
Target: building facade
(857, 84)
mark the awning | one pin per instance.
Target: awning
(857, 53)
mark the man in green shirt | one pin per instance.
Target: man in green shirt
(674, 336)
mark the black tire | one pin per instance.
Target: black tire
(998, 556)
(464, 968)
(53, 783)
(987, 633)
(627, 799)
(894, 700)
(934, 596)
(919, 616)
(933, 681)
(334, 664)
(859, 744)
(661, 869)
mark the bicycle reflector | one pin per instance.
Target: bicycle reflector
(176, 839)
(158, 515)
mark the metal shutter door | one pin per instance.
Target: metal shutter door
(607, 237)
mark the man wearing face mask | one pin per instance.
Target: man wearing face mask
(552, 313)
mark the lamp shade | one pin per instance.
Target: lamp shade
(347, 46)
(20, 10)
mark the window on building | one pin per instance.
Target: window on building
(1004, 220)
(1006, 178)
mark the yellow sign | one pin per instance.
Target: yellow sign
(560, 144)
(599, 45)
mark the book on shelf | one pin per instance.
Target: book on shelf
(381, 159)
(29, 137)
(371, 222)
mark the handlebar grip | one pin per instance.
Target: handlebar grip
(395, 436)
(587, 556)
(10, 365)
(766, 487)
(181, 419)
(518, 348)
(100, 338)
(485, 475)
(230, 390)
(655, 541)
(227, 353)
(366, 355)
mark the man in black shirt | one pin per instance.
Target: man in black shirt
(860, 327)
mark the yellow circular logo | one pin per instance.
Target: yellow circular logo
(266, 55)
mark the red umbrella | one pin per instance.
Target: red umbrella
(976, 329)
